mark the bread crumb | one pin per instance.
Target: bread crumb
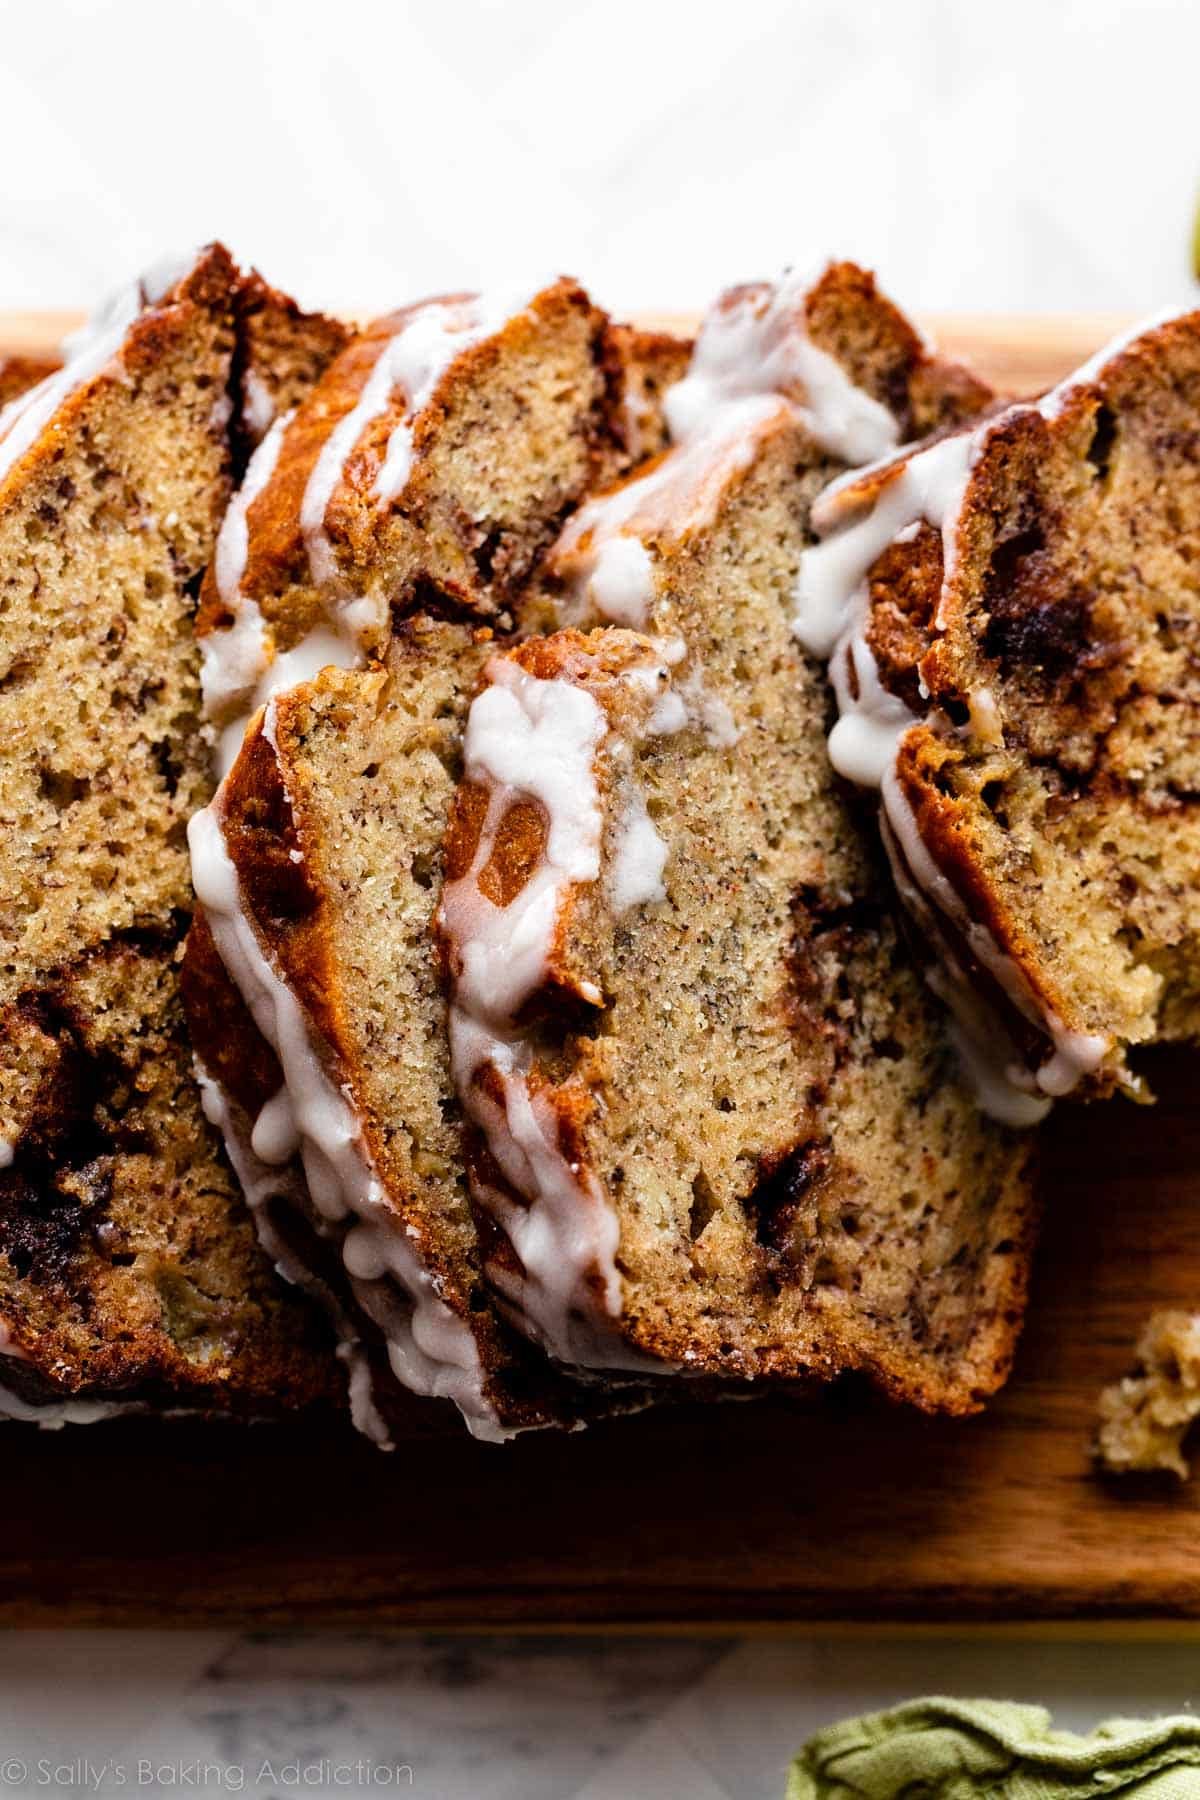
(1145, 1417)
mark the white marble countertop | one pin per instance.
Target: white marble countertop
(513, 1718)
(981, 156)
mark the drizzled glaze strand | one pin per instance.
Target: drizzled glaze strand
(431, 1349)
(411, 363)
(753, 361)
(535, 739)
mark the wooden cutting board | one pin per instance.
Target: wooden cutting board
(731, 1515)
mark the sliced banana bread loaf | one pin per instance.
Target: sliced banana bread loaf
(1013, 617)
(346, 861)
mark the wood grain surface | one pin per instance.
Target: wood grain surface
(733, 1515)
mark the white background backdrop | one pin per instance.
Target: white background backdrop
(996, 154)
(1012, 154)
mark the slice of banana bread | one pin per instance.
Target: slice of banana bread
(318, 863)
(440, 449)
(719, 1124)
(345, 985)
(1012, 617)
(129, 1274)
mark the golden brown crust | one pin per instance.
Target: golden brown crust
(276, 574)
(280, 871)
(222, 1032)
(279, 852)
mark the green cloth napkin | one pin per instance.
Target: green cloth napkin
(961, 1749)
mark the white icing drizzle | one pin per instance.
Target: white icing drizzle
(601, 551)
(260, 1181)
(985, 721)
(1002, 1084)
(233, 658)
(752, 368)
(430, 1349)
(258, 405)
(832, 595)
(166, 272)
(1003, 1087)
(1005, 1091)
(668, 710)
(687, 701)
(622, 580)
(872, 721)
(640, 856)
(413, 363)
(1051, 404)
(529, 738)
(754, 343)
(7, 1153)
(360, 1391)
(1008, 1091)
(264, 1179)
(1075, 1053)
(858, 517)
(54, 1414)
(240, 669)
(539, 739)
(753, 362)
(275, 1137)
